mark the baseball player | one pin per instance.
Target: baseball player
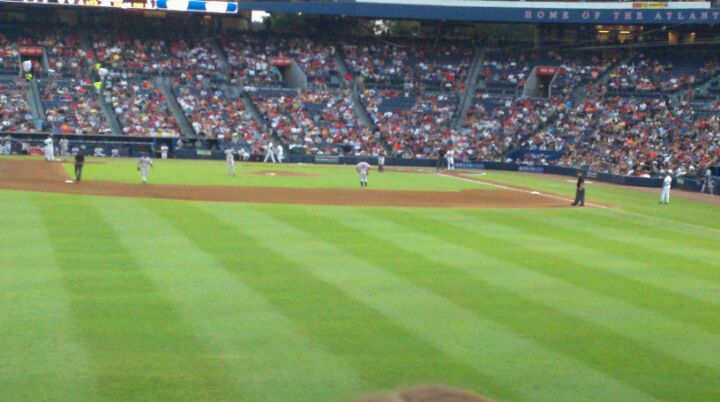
(440, 158)
(580, 191)
(244, 154)
(164, 151)
(63, 144)
(280, 153)
(270, 153)
(49, 150)
(363, 168)
(79, 162)
(450, 156)
(381, 162)
(230, 158)
(143, 164)
(7, 145)
(666, 185)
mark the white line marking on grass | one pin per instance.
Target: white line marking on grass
(668, 220)
(589, 204)
(532, 192)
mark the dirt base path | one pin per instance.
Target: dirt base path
(41, 176)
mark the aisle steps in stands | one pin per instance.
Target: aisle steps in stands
(109, 112)
(215, 45)
(165, 85)
(34, 99)
(471, 84)
(360, 110)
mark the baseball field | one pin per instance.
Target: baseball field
(289, 283)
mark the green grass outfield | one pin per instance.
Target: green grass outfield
(110, 299)
(214, 173)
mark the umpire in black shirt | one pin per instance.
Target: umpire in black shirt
(580, 191)
(79, 162)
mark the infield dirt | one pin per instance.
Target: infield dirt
(41, 176)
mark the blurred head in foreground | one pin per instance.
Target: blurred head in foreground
(426, 394)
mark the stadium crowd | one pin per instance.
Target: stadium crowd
(71, 107)
(632, 136)
(409, 65)
(321, 120)
(140, 107)
(411, 91)
(214, 112)
(15, 114)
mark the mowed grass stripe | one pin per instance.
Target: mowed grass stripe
(585, 324)
(269, 358)
(40, 356)
(140, 348)
(693, 250)
(398, 285)
(691, 215)
(378, 350)
(648, 262)
(607, 268)
(663, 333)
(653, 229)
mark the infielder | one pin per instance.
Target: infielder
(363, 168)
(450, 156)
(79, 162)
(49, 150)
(280, 153)
(270, 153)
(143, 164)
(63, 144)
(230, 158)
(666, 185)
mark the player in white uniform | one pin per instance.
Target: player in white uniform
(63, 144)
(270, 153)
(667, 184)
(450, 156)
(7, 145)
(143, 164)
(280, 153)
(230, 158)
(245, 155)
(164, 151)
(363, 168)
(49, 150)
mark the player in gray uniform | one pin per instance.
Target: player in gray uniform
(450, 156)
(49, 149)
(63, 144)
(7, 145)
(280, 151)
(143, 164)
(363, 168)
(666, 185)
(230, 158)
(269, 153)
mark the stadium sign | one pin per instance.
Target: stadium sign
(203, 6)
(505, 11)
(31, 51)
